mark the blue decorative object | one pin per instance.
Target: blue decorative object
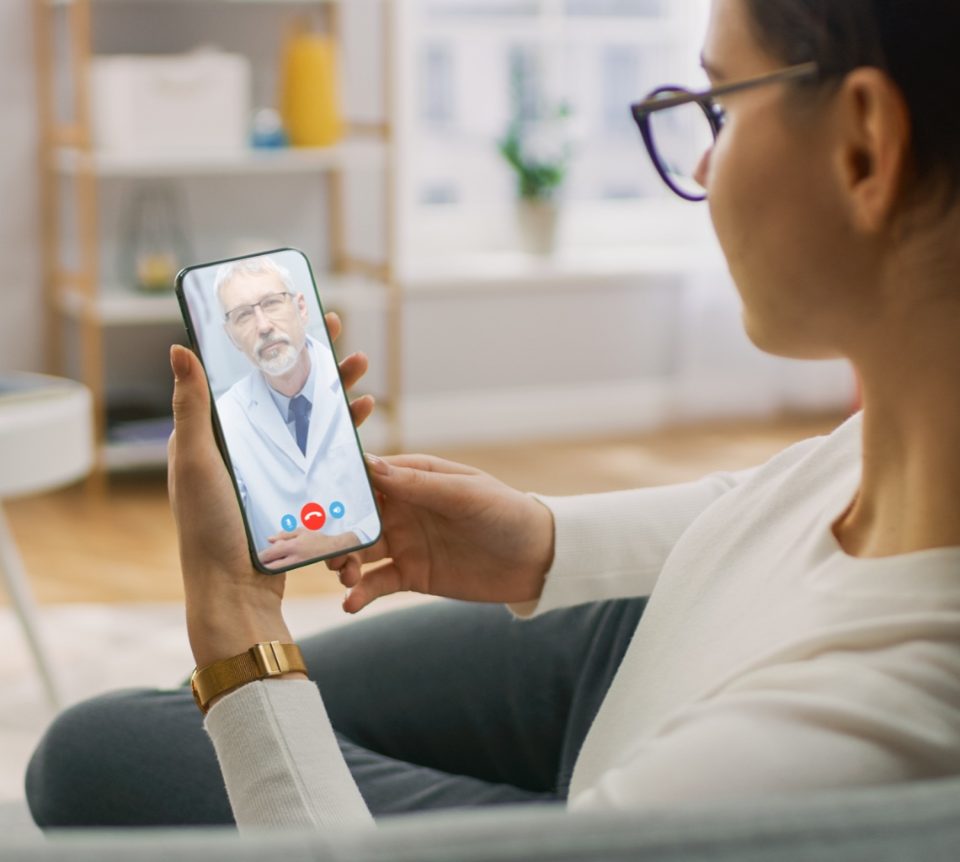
(267, 131)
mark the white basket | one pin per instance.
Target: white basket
(177, 103)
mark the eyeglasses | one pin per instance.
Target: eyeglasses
(679, 126)
(273, 305)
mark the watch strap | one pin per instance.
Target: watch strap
(261, 661)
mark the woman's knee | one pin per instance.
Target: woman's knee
(128, 758)
(75, 756)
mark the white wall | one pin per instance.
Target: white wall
(21, 306)
(596, 359)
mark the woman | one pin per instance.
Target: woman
(804, 617)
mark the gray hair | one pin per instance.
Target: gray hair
(252, 266)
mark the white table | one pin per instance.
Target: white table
(46, 441)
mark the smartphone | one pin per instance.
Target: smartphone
(280, 412)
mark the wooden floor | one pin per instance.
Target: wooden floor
(122, 548)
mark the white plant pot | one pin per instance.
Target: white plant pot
(538, 223)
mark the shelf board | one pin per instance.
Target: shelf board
(67, 3)
(352, 153)
(573, 28)
(116, 456)
(115, 306)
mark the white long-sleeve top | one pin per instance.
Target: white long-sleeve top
(767, 661)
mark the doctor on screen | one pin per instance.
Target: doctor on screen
(301, 476)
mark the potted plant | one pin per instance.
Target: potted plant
(539, 153)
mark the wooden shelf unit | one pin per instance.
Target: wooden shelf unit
(78, 294)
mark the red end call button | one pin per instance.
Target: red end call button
(313, 517)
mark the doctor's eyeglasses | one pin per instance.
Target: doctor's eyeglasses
(680, 126)
(273, 306)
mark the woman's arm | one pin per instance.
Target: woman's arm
(836, 720)
(279, 757)
(614, 545)
(451, 530)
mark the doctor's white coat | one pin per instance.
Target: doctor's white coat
(275, 478)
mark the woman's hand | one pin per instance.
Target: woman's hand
(450, 530)
(230, 605)
(290, 549)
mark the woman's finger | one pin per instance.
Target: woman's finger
(432, 483)
(337, 564)
(362, 409)
(429, 464)
(351, 573)
(334, 324)
(382, 580)
(353, 368)
(374, 554)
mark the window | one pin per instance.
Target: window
(437, 83)
(621, 82)
(478, 64)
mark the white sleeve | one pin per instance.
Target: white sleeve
(829, 723)
(611, 546)
(280, 758)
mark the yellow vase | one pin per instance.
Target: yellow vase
(309, 91)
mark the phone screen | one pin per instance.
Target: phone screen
(280, 410)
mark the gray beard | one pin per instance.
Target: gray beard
(284, 361)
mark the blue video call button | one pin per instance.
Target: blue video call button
(289, 523)
(337, 510)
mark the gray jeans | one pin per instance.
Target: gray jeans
(445, 705)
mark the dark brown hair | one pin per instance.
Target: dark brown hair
(916, 42)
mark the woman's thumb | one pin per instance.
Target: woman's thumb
(191, 400)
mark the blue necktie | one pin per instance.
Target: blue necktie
(300, 416)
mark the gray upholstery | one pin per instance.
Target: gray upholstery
(15, 819)
(908, 822)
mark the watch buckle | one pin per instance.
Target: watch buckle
(271, 658)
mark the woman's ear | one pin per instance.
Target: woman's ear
(873, 146)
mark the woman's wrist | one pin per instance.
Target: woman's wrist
(223, 624)
(208, 650)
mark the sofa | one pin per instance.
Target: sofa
(907, 822)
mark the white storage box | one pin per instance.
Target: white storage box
(176, 103)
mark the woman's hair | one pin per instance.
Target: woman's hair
(916, 42)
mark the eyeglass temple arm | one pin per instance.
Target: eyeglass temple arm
(803, 70)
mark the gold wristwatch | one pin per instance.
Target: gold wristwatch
(261, 661)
